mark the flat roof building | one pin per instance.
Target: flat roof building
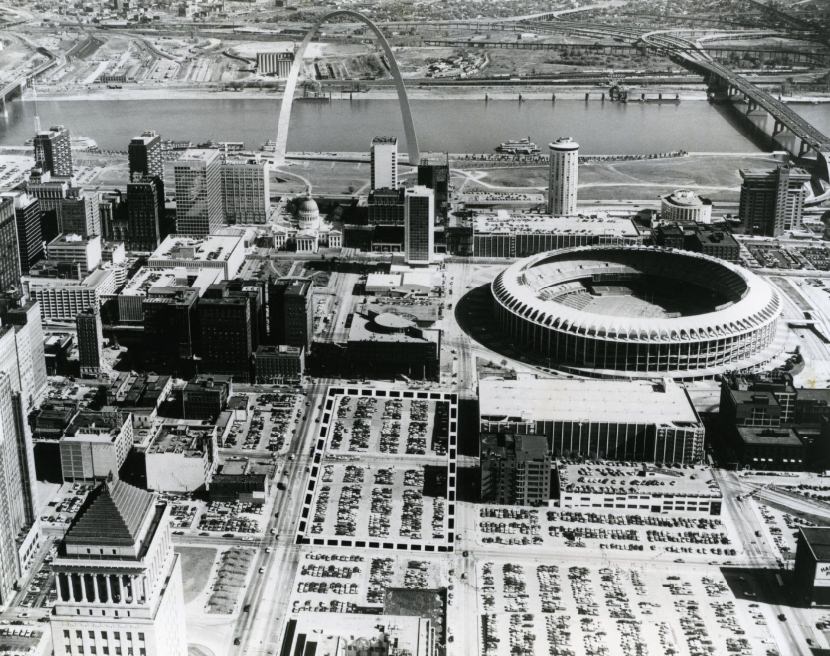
(225, 252)
(515, 469)
(384, 162)
(811, 575)
(181, 457)
(61, 299)
(643, 487)
(76, 249)
(502, 233)
(615, 420)
(198, 183)
(95, 445)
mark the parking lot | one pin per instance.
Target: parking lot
(346, 582)
(394, 426)
(544, 607)
(406, 504)
(384, 474)
(649, 535)
(270, 421)
(236, 517)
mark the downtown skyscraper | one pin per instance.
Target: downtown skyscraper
(198, 182)
(53, 152)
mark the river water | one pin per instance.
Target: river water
(443, 125)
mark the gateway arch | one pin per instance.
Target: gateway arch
(291, 83)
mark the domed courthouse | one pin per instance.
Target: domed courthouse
(640, 312)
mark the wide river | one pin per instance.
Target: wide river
(443, 125)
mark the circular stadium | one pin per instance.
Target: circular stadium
(610, 311)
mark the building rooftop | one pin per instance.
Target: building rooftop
(765, 436)
(533, 447)
(621, 478)
(626, 402)
(384, 140)
(204, 249)
(390, 329)
(818, 541)
(183, 439)
(103, 426)
(686, 198)
(111, 516)
(504, 221)
(204, 155)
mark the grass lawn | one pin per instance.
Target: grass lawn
(196, 565)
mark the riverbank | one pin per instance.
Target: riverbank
(374, 93)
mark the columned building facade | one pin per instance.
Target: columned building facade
(119, 585)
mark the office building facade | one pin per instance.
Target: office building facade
(772, 200)
(225, 334)
(17, 500)
(419, 225)
(246, 192)
(169, 329)
(291, 311)
(79, 214)
(90, 341)
(53, 152)
(145, 210)
(145, 156)
(515, 469)
(563, 176)
(10, 269)
(29, 233)
(384, 163)
(198, 181)
(118, 580)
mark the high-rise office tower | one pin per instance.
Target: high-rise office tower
(90, 341)
(145, 156)
(563, 175)
(51, 194)
(772, 200)
(434, 172)
(291, 311)
(419, 225)
(385, 206)
(53, 152)
(225, 333)
(16, 493)
(169, 329)
(79, 214)
(198, 192)
(29, 234)
(9, 252)
(145, 208)
(246, 192)
(118, 580)
(22, 355)
(384, 157)
(113, 215)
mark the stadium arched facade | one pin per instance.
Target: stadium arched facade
(284, 117)
(545, 303)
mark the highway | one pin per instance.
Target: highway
(790, 634)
